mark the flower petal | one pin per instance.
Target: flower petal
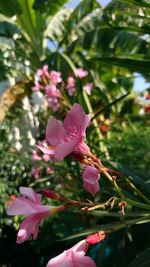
(80, 261)
(30, 193)
(28, 227)
(85, 124)
(46, 150)
(74, 118)
(81, 247)
(65, 149)
(62, 260)
(55, 132)
(21, 206)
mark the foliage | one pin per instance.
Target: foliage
(113, 45)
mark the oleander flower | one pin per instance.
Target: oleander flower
(90, 179)
(35, 172)
(43, 72)
(30, 206)
(68, 138)
(71, 85)
(81, 73)
(88, 88)
(73, 257)
(55, 77)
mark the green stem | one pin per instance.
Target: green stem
(101, 145)
(137, 204)
(137, 191)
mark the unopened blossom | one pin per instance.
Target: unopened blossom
(29, 205)
(68, 138)
(73, 257)
(96, 238)
(35, 172)
(81, 73)
(71, 85)
(88, 88)
(90, 179)
(55, 77)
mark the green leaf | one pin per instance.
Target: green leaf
(134, 62)
(10, 8)
(49, 7)
(142, 260)
(143, 3)
(132, 176)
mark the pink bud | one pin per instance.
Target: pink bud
(95, 238)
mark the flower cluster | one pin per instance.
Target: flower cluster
(48, 82)
(53, 86)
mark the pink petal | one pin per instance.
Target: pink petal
(91, 186)
(65, 149)
(91, 176)
(21, 206)
(31, 194)
(85, 124)
(46, 150)
(81, 261)
(55, 132)
(62, 260)
(74, 118)
(81, 247)
(28, 228)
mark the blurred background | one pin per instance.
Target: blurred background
(111, 41)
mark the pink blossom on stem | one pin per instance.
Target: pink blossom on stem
(88, 88)
(52, 95)
(68, 138)
(90, 177)
(81, 73)
(71, 83)
(96, 238)
(35, 172)
(43, 73)
(73, 257)
(30, 206)
(55, 77)
(37, 86)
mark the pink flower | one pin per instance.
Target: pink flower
(73, 257)
(96, 238)
(30, 206)
(90, 177)
(46, 157)
(35, 156)
(52, 95)
(55, 77)
(37, 86)
(48, 150)
(68, 138)
(35, 172)
(88, 88)
(43, 73)
(81, 73)
(71, 83)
